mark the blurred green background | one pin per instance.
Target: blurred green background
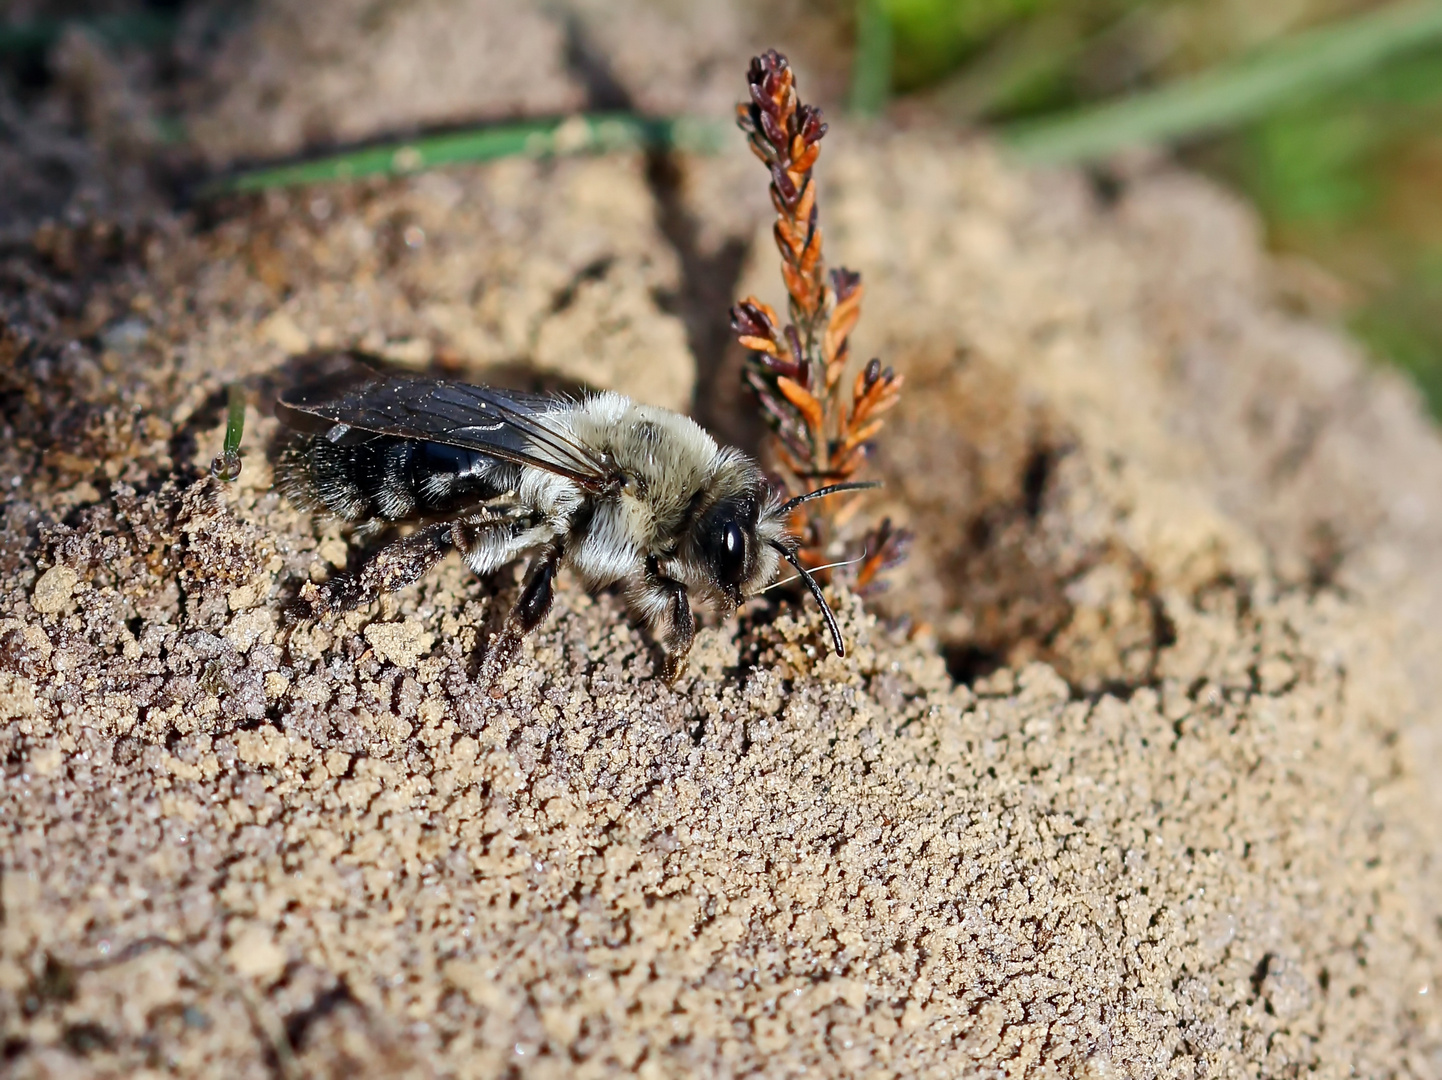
(1326, 114)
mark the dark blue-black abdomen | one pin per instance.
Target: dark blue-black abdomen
(390, 479)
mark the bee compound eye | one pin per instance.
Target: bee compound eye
(732, 554)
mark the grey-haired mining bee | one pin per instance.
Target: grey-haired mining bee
(618, 492)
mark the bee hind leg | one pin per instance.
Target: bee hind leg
(393, 567)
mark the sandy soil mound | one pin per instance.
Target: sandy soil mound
(1131, 773)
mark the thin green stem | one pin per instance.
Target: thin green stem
(226, 467)
(543, 138)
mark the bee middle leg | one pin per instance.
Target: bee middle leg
(538, 591)
(393, 567)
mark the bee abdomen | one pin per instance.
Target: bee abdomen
(388, 478)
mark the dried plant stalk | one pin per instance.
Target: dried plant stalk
(822, 430)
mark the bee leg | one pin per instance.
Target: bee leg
(665, 601)
(392, 567)
(537, 592)
(534, 603)
(680, 633)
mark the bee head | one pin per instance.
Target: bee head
(740, 538)
(732, 544)
(730, 539)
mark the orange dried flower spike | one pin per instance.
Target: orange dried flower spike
(821, 434)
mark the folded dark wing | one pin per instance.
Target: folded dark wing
(505, 424)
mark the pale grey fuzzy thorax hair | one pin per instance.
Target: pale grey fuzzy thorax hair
(675, 473)
(668, 455)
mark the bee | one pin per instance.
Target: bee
(620, 493)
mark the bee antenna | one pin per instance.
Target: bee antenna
(829, 489)
(790, 556)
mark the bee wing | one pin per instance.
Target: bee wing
(505, 424)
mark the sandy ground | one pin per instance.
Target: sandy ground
(1132, 773)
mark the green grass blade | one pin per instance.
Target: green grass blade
(871, 64)
(543, 138)
(226, 466)
(1304, 64)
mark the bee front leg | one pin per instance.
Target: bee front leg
(680, 633)
(393, 567)
(663, 603)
